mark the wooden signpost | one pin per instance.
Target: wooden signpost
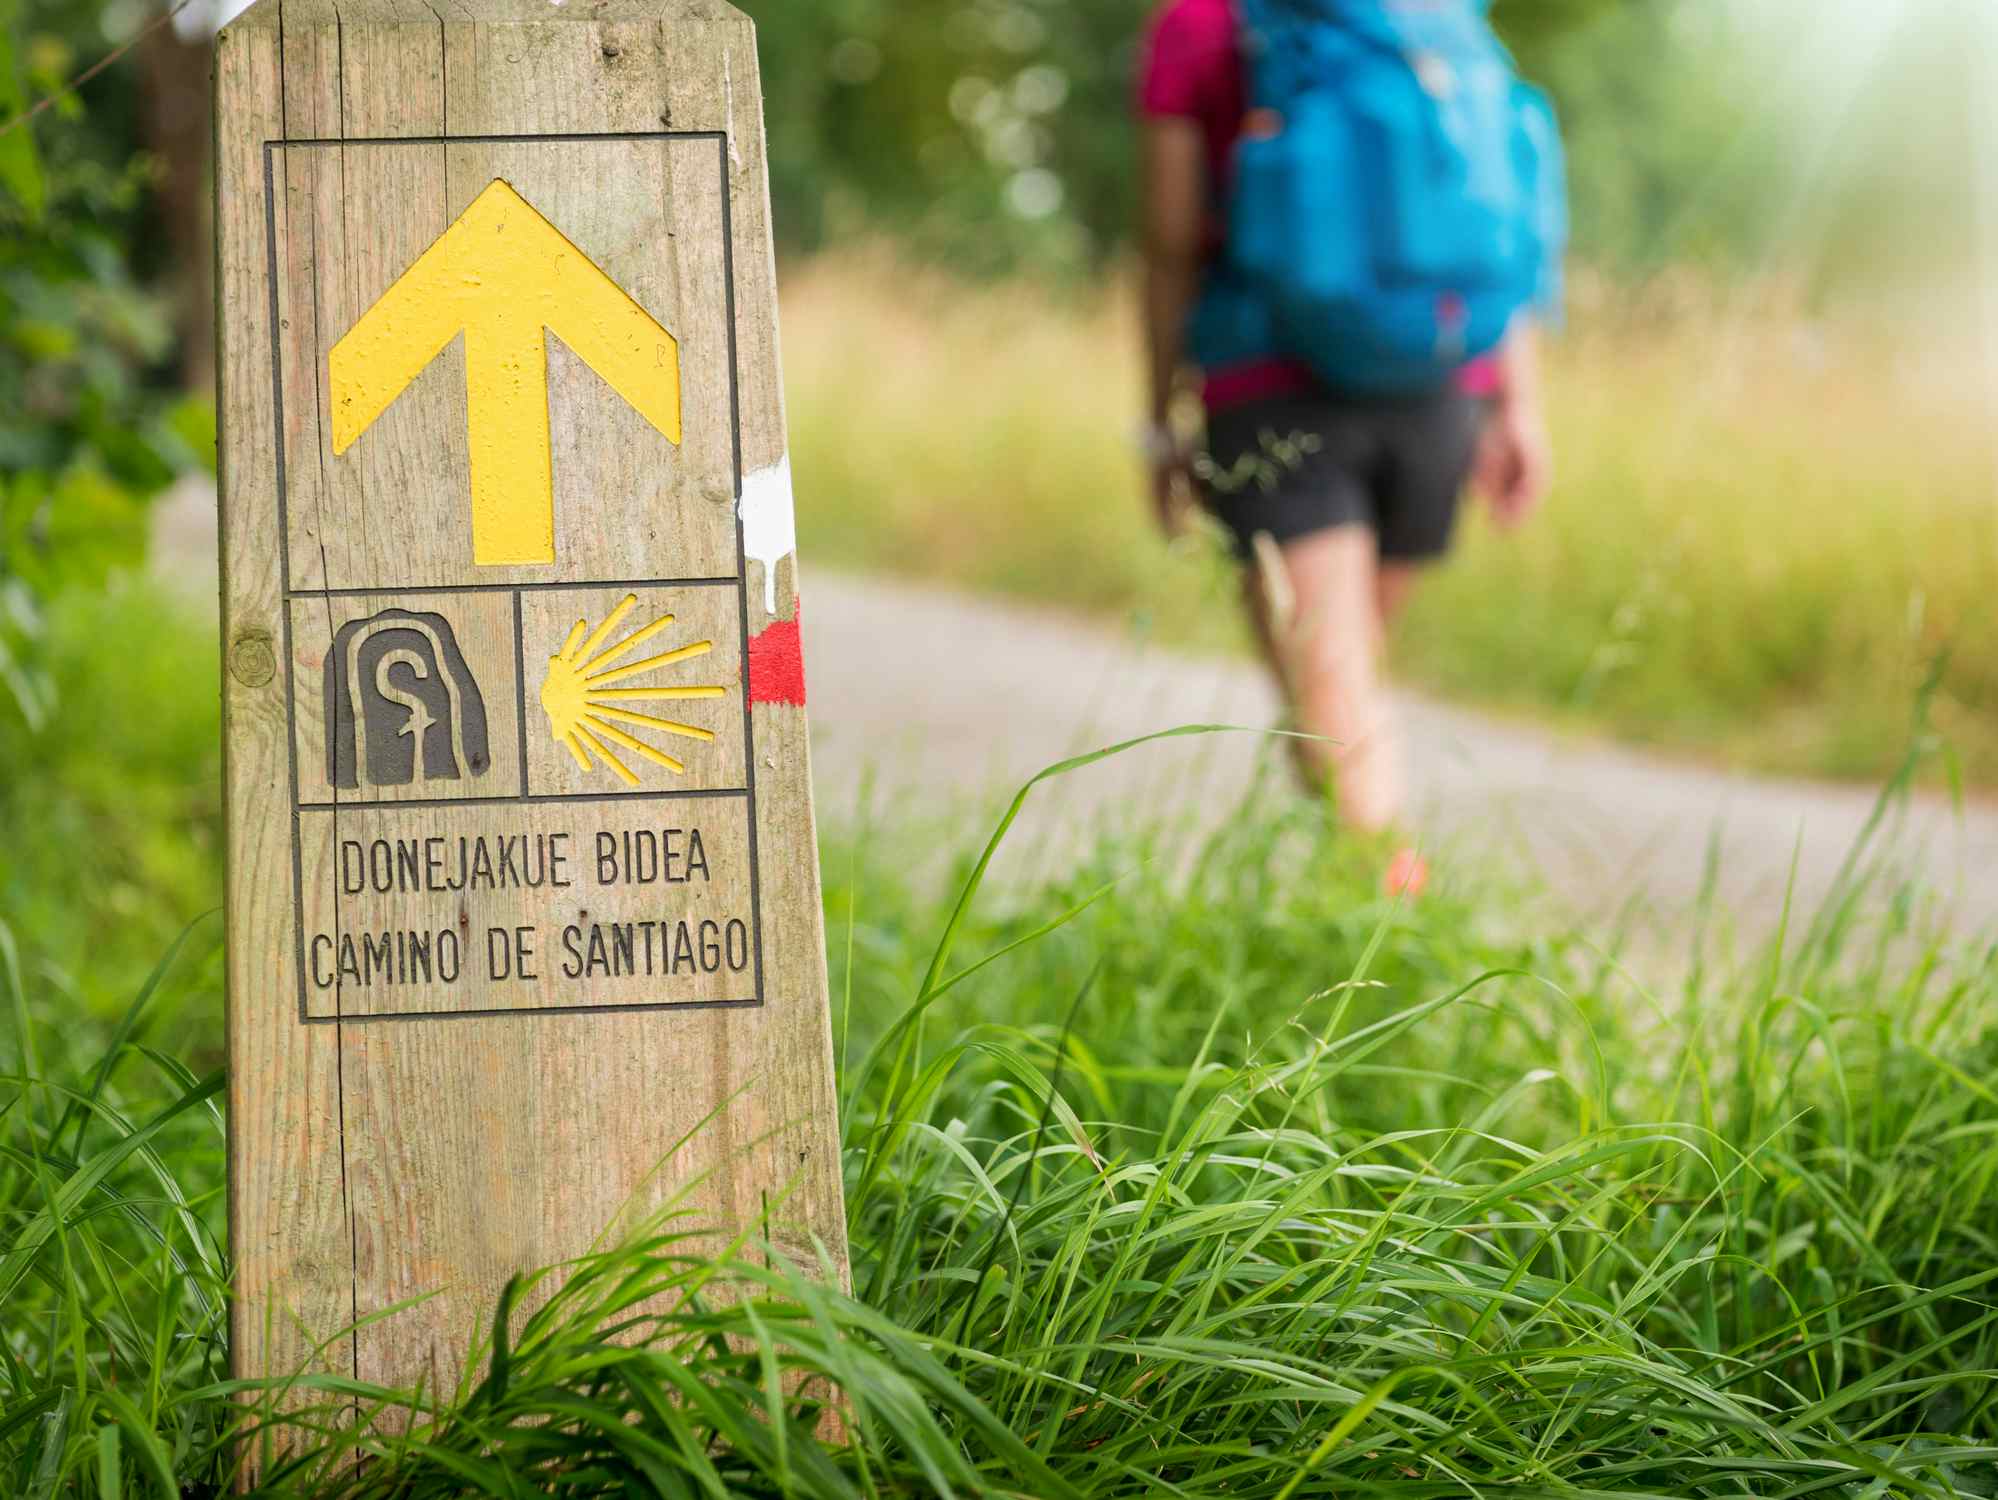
(524, 929)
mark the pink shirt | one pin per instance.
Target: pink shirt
(1192, 69)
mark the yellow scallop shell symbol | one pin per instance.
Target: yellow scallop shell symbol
(585, 709)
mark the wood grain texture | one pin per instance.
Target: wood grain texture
(507, 1123)
(289, 1226)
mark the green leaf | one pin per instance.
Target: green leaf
(20, 162)
(110, 1472)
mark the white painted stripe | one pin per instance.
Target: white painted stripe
(769, 525)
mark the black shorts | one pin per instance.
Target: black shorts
(1294, 465)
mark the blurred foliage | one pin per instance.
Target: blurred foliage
(92, 424)
(997, 132)
(89, 429)
(988, 131)
(111, 817)
(1650, 108)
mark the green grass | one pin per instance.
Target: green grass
(111, 819)
(1223, 1177)
(1766, 529)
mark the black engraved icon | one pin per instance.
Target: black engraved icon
(399, 695)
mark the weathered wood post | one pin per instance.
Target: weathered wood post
(522, 883)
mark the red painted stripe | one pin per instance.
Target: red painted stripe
(777, 664)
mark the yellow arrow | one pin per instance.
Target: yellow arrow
(505, 277)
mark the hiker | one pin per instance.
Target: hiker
(1363, 328)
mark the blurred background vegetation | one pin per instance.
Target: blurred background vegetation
(1774, 398)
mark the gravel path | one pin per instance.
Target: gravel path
(946, 697)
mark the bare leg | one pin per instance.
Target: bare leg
(1326, 651)
(1392, 587)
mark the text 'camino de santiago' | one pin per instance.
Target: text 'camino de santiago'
(665, 872)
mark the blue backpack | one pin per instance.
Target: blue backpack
(1399, 195)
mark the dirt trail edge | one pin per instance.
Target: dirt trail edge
(940, 697)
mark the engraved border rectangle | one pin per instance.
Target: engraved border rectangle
(450, 1014)
(741, 582)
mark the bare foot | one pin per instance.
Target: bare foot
(1407, 875)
